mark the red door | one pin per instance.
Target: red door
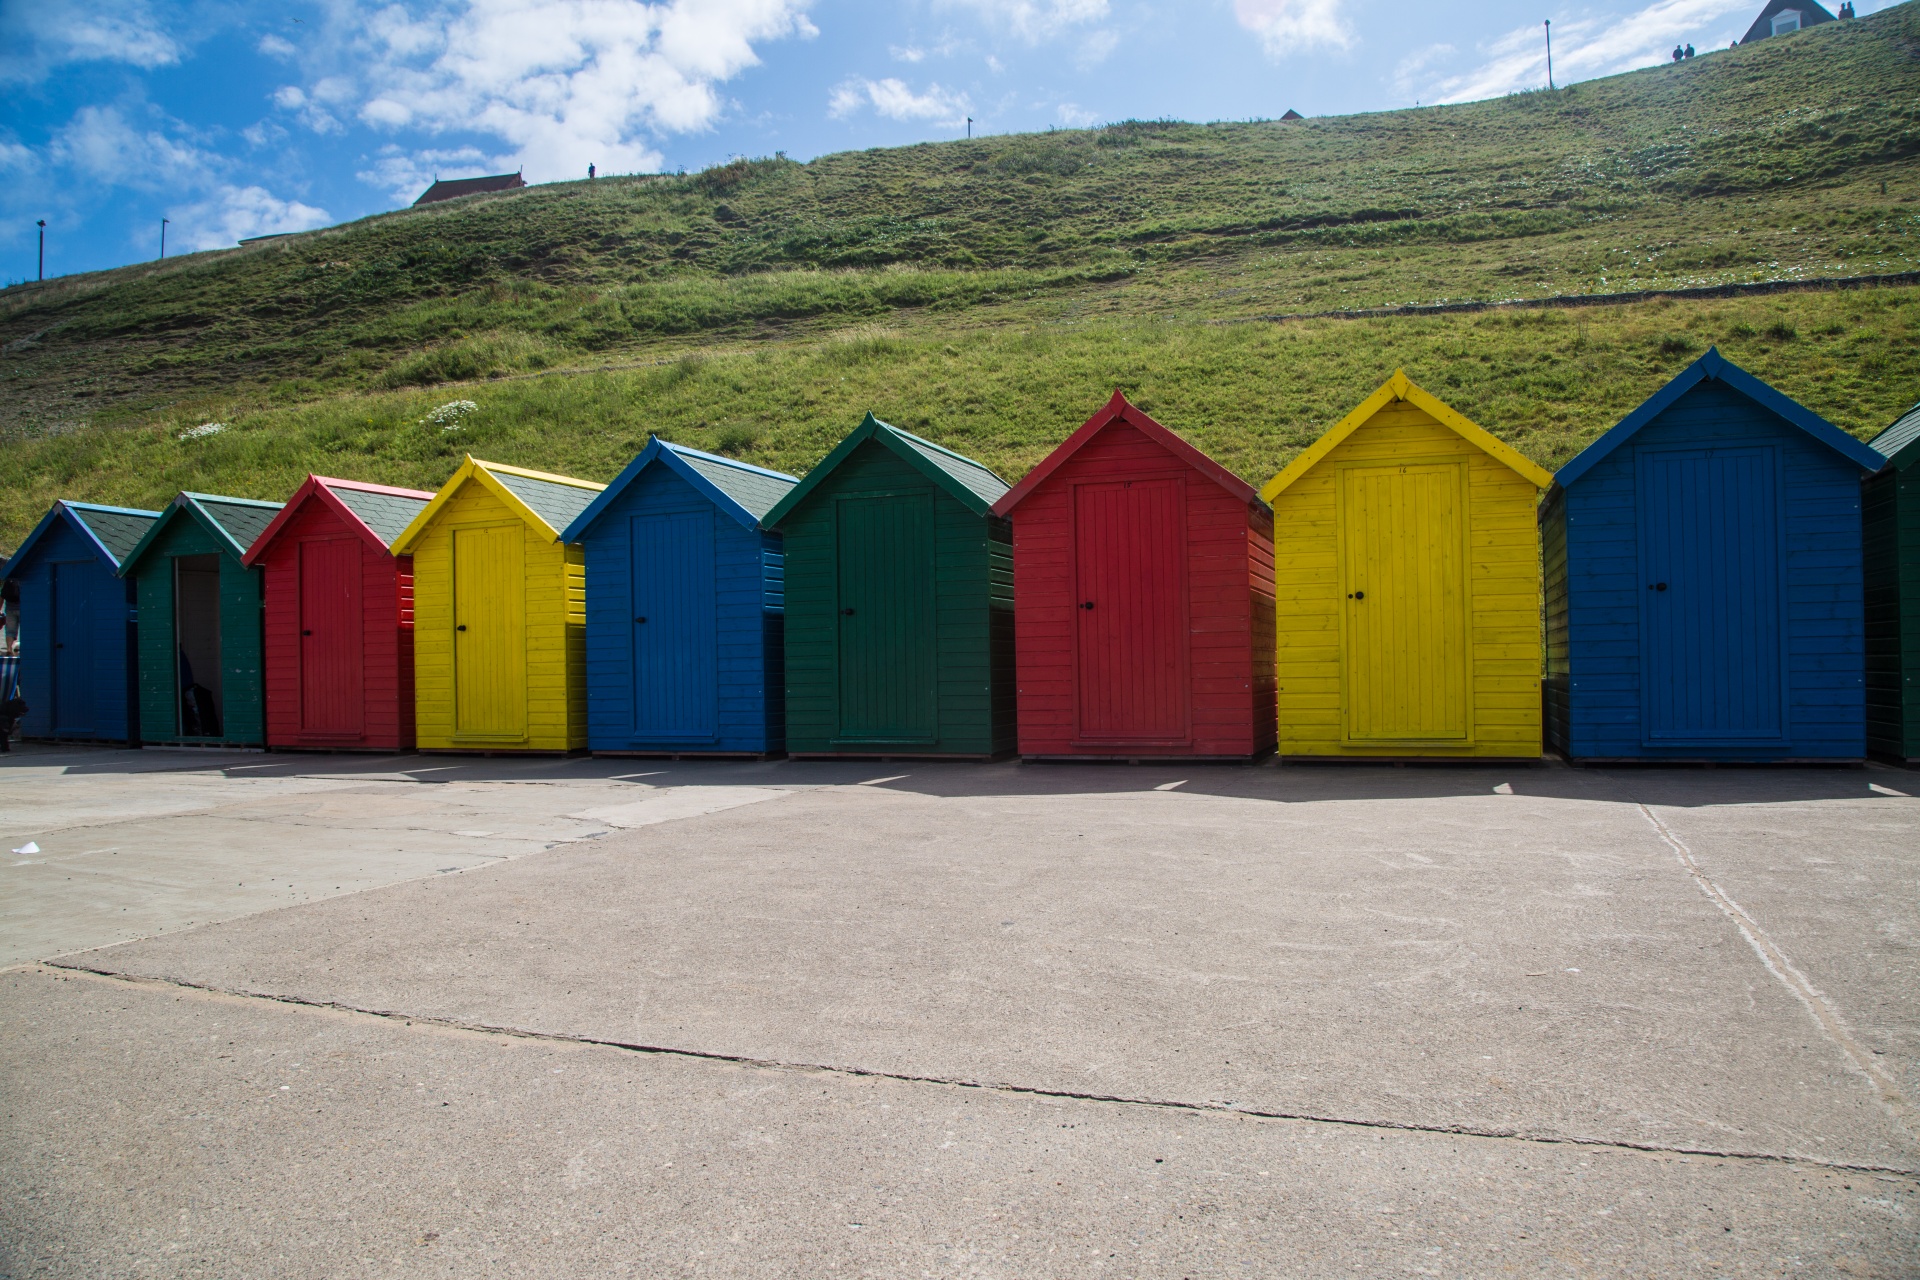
(331, 696)
(1130, 575)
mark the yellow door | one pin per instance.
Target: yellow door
(1404, 583)
(489, 632)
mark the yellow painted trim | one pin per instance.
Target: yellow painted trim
(477, 469)
(1401, 387)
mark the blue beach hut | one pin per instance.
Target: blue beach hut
(685, 599)
(77, 623)
(1704, 590)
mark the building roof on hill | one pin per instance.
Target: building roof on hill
(1810, 14)
(454, 188)
(1291, 115)
(1899, 439)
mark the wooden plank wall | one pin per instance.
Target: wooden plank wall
(747, 588)
(1230, 601)
(973, 604)
(1503, 588)
(1825, 619)
(386, 635)
(243, 676)
(108, 599)
(1553, 564)
(554, 583)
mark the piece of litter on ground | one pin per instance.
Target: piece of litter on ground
(1504, 789)
(874, 782)
(1168, 786)
(1573, 971)
(1541, 974)
(28, 848)
(1887, 791)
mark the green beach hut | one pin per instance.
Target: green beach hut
(1890, 506)
(899, 602)
(198, 617)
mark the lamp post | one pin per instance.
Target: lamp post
(163, 238)
(1549, 26)
(42, 224)
(969, 128)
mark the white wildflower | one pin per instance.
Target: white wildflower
(204, 429)
(448, 415)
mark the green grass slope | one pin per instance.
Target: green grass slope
(990, 293)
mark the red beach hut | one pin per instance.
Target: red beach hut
(339, 617)
(1142, 597)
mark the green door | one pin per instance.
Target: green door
(885, 618)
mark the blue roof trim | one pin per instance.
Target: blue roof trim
(62, 508)
(1715, 367)
(674, 457)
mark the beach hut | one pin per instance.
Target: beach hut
(899, 622)
(339, 617)
(1704, 581)
(1891, 513)
(1142, 598)
(1407, 585)
(684, 602)
(201, 678)
(499, 612)
(76, 632)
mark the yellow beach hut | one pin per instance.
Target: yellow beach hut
(1407, 577)
(499, 612)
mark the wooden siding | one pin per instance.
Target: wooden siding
(80, 691)
(1892, 531)
(1819, 594)
(242, 675)
(1500, 575)
(384, 626)
(972, 618)
(745, 680)
(549, 587)
(1216, 674)
(1553, 565)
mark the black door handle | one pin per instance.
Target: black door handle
(1658, 586)
(848, 612)
(306, 633)
(1358, 595)
(1087, 605)
(641, 618)
(461, 627)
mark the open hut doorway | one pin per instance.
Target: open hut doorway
(196, 627)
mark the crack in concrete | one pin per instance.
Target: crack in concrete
(963, 1082)
(1825, 1016)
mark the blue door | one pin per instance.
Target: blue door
(1711, 626)
(675, 681)
(73, 648)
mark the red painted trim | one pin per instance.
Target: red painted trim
(320, 487)
(1119, 410)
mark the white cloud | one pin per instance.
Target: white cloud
(1591, 46)
(561, 82)
(1037, 20)
(232, 213)
(1295, 26)
(1094, 48)
(1073, 115)
(906, 53)
(38, 37)
(894, 100)
(101, 144)
(16, 157)
(275, 47)
(405, 173)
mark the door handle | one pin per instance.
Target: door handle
(1657, 586)
(461, 627)
(306, 633)
(641, 618)
(848, 612)
(1357, 595)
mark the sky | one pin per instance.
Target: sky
(238, 119)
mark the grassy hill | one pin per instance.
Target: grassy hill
(990, 293)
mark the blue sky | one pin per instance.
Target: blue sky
(237, 119)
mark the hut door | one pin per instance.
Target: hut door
(885, 618)
(489, 632)
(675, 681)
(196, 634)
(331, 697)
(1710, 560)
(1404, 585)
(72, 648)
(1130, 559)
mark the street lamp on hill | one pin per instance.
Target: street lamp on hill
(42, 224)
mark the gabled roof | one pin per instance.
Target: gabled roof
(547, 502)
(1896, 443)
(113, 531)
(744, 492)
(976, 487)
(1811, 13)
(454, 188)
(1401, 387)
(1119, 410)
(233, 522)
(1714, 367)
(376, 512)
